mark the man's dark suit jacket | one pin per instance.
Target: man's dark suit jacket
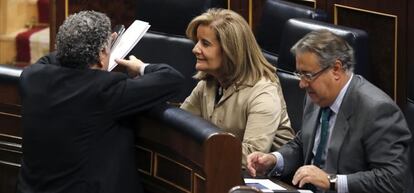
(73, 139)
(369, 141)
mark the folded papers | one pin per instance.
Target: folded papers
(126, 41)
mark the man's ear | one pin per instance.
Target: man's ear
(104, 53)
(337, 69)
(100, 64)
(338, 66)
(113, 39)
(114, 35)
(97, 66)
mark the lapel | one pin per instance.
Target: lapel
(310, 122)
(210, 94)
(233, 88)
(227, 93)
(340, 130)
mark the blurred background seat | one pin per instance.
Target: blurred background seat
(275, 13)
(172, 16)
(294, 97)
(166, 42)
(173, 50)
(295, 29)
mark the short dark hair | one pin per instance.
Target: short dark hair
(81, 37)
(328, 47)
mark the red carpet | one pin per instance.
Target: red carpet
(23, 38)
(23, 44)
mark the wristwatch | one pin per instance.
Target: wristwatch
(332, 181)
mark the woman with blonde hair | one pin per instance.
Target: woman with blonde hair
(238, 89)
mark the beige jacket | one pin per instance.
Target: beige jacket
(256, 114)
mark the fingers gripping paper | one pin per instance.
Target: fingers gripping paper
(126, 41)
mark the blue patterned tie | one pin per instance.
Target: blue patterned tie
(326, 113)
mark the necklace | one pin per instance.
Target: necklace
(218, 94)
(220, 91)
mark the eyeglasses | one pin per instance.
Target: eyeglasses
(310, 76)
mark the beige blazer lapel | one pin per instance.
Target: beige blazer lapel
(227, 93)
(210, 95)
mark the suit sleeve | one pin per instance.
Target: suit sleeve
(385, 141)
(292, 153)
(48, 59)
(159, 83)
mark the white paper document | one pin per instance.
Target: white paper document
(127, 41)
(266, 185)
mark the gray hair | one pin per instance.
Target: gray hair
(328, 47)
(81, 37)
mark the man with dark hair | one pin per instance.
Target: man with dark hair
(73, 137)
(354, 138)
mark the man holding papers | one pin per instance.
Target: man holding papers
(75, 139)
(126, 40)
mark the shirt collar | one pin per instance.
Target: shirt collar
(337, 103)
